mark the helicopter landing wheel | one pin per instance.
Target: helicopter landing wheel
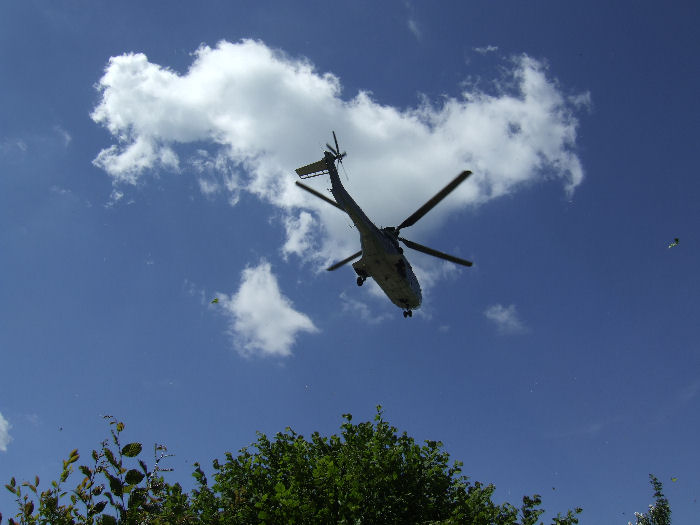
(407, 313)
(360, 281)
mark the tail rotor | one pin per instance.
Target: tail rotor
(336, 151)
(319, 167)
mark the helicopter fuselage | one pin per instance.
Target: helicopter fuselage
(382, 257)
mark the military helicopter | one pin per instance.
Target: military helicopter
(382, 257)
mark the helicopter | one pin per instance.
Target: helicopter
(382, 258)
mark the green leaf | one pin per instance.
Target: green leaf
(131, 450)
(120, 426)
(29, 486)
(137, 498)
(115, 485)
(99, 507)
(134, 477)
(110, 457)
(108, 520)
(73, 456)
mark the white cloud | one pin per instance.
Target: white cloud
(486, 49)
(208, 187)
(299, 234)
(5, 437)
(263, 321)
(216, 174)
(261, 114)
(361, 310)
(13, 148)
(413, 28)
(66, 137)
(505, 318)
(114, 198)
(193, 290)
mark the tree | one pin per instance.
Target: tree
(368, 474)
(659, 514)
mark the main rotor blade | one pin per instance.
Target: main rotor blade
(334, 152)
(344, 261)
(319, 195)
(435, 253)
(444, 192)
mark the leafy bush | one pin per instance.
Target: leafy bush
(659, 514)
(368, 474)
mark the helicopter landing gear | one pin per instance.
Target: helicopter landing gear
(408, 313)
(361, 280)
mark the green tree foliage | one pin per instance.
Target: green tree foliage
(660, 513)
(369, 474)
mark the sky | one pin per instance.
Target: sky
(147, 156)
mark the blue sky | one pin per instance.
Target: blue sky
(146, 167)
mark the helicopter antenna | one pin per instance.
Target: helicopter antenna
(345, 171)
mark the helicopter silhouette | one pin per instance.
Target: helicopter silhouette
(382, 258)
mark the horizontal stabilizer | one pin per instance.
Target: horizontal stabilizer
(313, 170)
